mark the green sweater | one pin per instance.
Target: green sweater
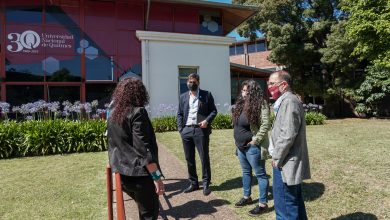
(260, 134)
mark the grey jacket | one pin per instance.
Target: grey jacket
(289, 140)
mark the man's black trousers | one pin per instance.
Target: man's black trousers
(195, 137)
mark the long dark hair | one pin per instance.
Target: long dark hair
(251, 105)
(128, 94)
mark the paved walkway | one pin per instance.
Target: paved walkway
(178, 205)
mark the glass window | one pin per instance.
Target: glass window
(22, 94)
(64, 93)
(130, 16)
(24, 14)
(100, 92)
(62, 40)
(100, 15)
(210, 23)
(232, 50)
(24, 68)
(62, 68)
(260, 46)
(252, 48)
(183, 75)
(126, 66)
(99, 67)
(63, 15)
(239, 49)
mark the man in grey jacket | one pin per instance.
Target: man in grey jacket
(290, 159)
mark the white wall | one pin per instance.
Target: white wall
(164, 53)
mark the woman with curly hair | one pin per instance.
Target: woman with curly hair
(251, 122)
(132, 147)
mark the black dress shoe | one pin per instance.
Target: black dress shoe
(206, 190)
(191, 188)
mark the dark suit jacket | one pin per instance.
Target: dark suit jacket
(206, 110)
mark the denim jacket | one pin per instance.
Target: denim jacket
(260, 134)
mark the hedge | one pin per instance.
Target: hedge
(33, 138)
(60, 136)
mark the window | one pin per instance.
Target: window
(252, 48)
(100, 92)
(210, 23)
(232, 50)
(24, 14)
(240, 49)
(99, 68)
(22, 94)
(63, 93)
(184, 72)
(24, 68)
(63, 68)
(63, 15)
(260, 46)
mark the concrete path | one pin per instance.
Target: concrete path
(178, 205)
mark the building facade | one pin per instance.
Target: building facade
(77, 50)
(252, 53)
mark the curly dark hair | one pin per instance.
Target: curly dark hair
(251, 105)
(128, 94)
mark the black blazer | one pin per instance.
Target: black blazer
(206, 110)
(132, 145)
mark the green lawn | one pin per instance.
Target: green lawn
(54, 187)
(349, 163)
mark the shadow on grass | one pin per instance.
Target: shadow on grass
(357, 216)
(312, 191)
(228, 185)
(192, 209)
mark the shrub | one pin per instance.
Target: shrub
(222, 121)
(168, 123)
(32, 138)
(164, 123)
(315, 118)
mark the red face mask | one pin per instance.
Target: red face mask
(274, 91)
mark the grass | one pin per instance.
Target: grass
(349, 164)
(54, 187)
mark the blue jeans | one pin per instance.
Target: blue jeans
(250, 158)
(288, 200)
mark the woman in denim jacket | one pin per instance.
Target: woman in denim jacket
(251, 121)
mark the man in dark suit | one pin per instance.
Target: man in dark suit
(196, 112)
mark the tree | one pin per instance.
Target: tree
(328, 45)
(296, 31)
(369, 26)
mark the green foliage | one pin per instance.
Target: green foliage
(296, 31)
(168, 123)
(315, 118)
(369, 25)
(165, 123)
(33, 138)
(222, 121)
(374, 90)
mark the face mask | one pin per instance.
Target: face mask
(275, 93)
(192, 86)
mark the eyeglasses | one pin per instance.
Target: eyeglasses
(273, 83)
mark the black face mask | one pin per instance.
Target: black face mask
(192, 86)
